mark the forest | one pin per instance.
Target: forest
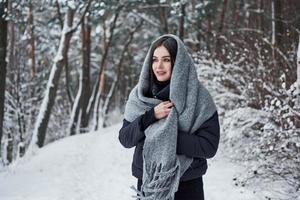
(67, 67)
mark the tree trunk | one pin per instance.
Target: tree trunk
(279, 32)
(222, 17)
(298, 76)
(163, 20)
(3, 44)
(67, 86)
(236, 13)
(33, 61)
(218, 48)
(209, 34)
(12, 89)
(80, 105)
(181, 22)
(39, 132)
(99, 92)
(32, 40)
(260, 15)
(273, 38)
(86, 74)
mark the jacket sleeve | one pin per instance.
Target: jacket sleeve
(132, 133)
(203, 143)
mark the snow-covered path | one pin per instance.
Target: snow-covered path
(95, 166)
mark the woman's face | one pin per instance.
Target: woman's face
(161, 64)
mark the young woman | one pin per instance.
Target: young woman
(172, 122)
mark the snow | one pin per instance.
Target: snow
(101, 12)
(96, 166)
(72, 4)
(90, 166)
(98, 29)
(241, 116)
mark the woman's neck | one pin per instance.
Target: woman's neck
(161, 83)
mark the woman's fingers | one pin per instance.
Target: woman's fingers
(167, 104)
(163, 109)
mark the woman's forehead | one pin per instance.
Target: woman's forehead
(161, 51)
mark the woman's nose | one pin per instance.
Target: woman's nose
(160, 63)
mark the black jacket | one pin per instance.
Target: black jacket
(200, 145)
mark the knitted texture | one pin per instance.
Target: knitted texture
(193, 105)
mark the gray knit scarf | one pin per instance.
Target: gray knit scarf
(193, 105)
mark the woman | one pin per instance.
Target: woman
(172, 122)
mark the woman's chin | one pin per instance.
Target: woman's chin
(162, 78)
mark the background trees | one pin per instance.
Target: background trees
(71, 64)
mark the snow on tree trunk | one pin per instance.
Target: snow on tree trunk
(298, 75)
(75, 109)
(39, 132)
(96, 111)
(273, 29)
(107, 102)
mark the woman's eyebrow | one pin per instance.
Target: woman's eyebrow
(162, 56)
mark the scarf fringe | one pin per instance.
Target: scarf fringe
(158, 184)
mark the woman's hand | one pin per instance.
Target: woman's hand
(163, 109)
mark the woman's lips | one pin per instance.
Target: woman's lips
(160, 73)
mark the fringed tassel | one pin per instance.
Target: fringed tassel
(158, 184)
(140, 195)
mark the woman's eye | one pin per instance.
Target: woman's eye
(154, 60)
(167, 60)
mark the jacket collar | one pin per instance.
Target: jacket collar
(161, 93)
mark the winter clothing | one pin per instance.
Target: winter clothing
(193, 105)
(207, 136)
(200, 145)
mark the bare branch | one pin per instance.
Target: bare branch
(146, 18)
(59, 14)
(74, 28)
(154, 6)
(264, 40)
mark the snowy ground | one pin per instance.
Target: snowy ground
(95, 166)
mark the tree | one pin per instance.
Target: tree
(98, 91)
(3, 44)
(298, 75)
(219, 43)
(181, 21)
(108, 100)
(79, 116)
(39, 132)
